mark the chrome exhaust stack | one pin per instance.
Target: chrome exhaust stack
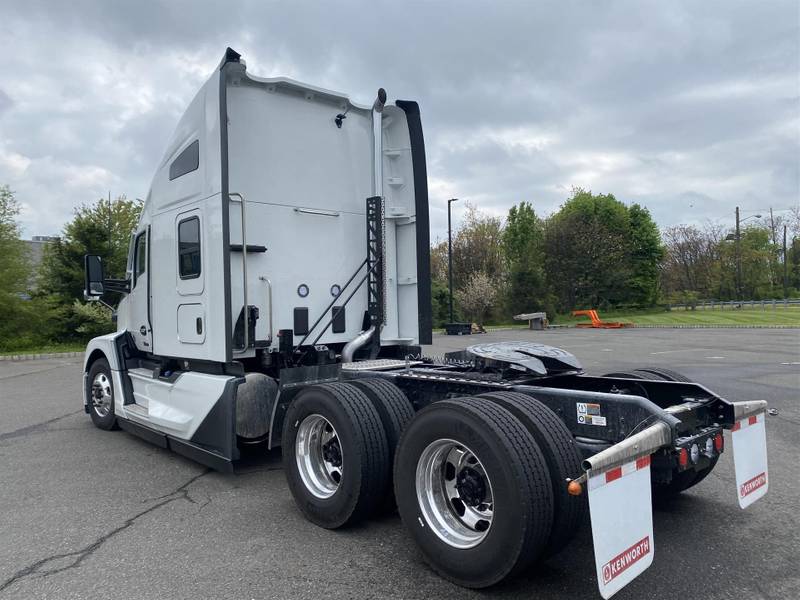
(354, 345)
(377, 136)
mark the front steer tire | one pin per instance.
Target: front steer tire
(352, 473)
(518, 477)
(100, 395)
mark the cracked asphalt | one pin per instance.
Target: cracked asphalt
(86, 513)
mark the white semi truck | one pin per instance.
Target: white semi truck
(278, 291)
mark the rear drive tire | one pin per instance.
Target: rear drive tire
(335, 454)
(395, 411)
(660, 373)
(626, 375)
(634, 389)
(473, 490)
(681, 480)
(563, 460)
(100, 395)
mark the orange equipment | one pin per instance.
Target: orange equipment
(597, 322)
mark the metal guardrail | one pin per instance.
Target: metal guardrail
(737, 304)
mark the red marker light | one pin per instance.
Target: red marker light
(683, 457)
(719, 442)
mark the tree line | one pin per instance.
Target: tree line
(43, 306)
(597, 252)
(594, 252)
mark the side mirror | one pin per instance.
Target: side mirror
(94, 277)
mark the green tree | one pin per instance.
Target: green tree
(15, 317)
(102, 228)
(646, 252)
(793, 270)
(14, 268)
(587, 251)
(523, 247)
(692, 262)
(757, 256)
(601, 253)
(477, 247)
(440, 301)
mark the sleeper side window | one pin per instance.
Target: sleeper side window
(186, 162)
(189, 248)
(140, 256)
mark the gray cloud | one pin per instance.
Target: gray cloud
(689, 108)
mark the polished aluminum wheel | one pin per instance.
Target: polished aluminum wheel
(454, 493)
(102, 395)
(318, 452)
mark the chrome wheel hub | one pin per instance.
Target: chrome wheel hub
(102, 396)
(454, 493)
(319, 457)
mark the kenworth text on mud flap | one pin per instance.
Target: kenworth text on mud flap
(278, 292)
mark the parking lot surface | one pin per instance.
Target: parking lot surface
(86, 513)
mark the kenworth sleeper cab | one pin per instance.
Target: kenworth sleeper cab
(278, 292)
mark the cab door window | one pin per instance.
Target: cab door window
(189, 248)
(140, 257)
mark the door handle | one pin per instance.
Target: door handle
(143, 330)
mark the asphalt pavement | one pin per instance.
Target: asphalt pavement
(86, 513)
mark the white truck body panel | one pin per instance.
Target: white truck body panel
(176, 408)
(304, 183)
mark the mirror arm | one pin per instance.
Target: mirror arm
(122, 286)
(107, 305)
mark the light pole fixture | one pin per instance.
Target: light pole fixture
(737, 237)
(450, 253)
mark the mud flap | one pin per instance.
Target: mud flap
(750, 458)
(621, 510)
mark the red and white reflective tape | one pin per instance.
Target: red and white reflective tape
(601, 479)
(751, 420)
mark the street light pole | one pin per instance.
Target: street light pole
(737, 239)
(450, 253)
(785, 267)
(738, 259)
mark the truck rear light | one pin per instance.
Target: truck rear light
(710, 447)
(695, 453)
(719, 442)
(683, 457)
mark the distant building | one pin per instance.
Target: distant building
(35, 247)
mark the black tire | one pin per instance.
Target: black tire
(661, 373)
(518, 478)
(363, 451)
(705, 472)
(99, 375)
(626, 375)
(681, 480)
(563, 460)
(395, 411)
(635, 389)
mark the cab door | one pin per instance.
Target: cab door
(139, 297)
(190, 283)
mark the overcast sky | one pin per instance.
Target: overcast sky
(686, 107)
